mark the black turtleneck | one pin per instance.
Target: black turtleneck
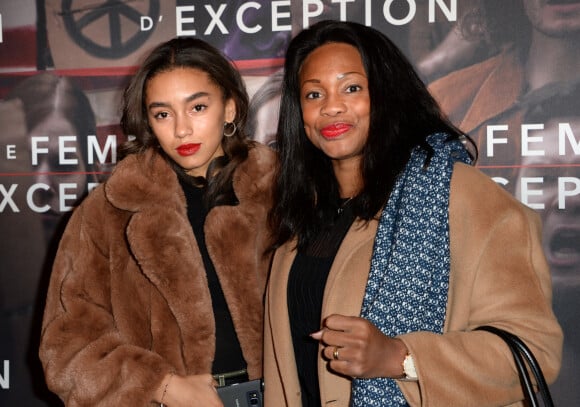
(306, 284)
(228, 355)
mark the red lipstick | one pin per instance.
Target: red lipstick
(185, 150)
(335, 130)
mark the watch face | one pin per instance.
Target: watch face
(409, 367)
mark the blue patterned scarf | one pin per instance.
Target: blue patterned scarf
(409, 276)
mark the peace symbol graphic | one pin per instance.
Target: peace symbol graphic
(114, 15)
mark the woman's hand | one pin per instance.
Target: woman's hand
(355, 347)
(191, 391)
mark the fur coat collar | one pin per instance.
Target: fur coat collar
(162, 242)
(130, 250)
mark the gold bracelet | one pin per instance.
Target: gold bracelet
(165, 390)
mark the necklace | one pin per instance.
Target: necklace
(343, 205)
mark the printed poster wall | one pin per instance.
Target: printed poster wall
(513, 85)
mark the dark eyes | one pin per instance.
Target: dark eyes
(161, 115)
(353, 88)
(312, 95)
(165, 114)
(348, 89)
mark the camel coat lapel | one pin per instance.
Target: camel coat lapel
(343, 294)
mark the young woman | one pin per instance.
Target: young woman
(392, 249)
(159, 279)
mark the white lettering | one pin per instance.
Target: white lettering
(307, 13)
(389, 17)
(92, 185)
(68, 154)
(500, 180)
(35, 150)
(277, 15)
(63, 196)
(450, 12)
(526, 192)
(568, 187)
(342, 8)
(146, 23)
(63, 149)
(215, 19)
(30, 198)
(7, 198)
(240, 19)
(281, 14)
(491, 140)
(368, 13)
(10, 152)
(94, 147)
(527, 139)
(565, 131)
(180, 20)
(5, 377)
(563, 192)
(566, 139)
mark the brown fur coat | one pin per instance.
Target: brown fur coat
(128, 299)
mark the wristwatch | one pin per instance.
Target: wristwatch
(409, 371)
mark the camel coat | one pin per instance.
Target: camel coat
(498, 276)
(128, 299)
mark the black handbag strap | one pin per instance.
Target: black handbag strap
(522, 356)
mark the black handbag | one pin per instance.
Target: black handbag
(522, 356)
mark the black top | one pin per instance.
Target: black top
(306, 284)
(228, 353)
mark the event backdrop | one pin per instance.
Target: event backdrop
(513, 87)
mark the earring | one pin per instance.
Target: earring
(232, 126)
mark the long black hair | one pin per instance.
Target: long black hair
(197, 54)
(402, 114)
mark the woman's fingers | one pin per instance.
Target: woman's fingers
(355, 347)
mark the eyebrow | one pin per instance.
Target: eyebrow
(342, 75)
(188, 99)
(339, 76)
